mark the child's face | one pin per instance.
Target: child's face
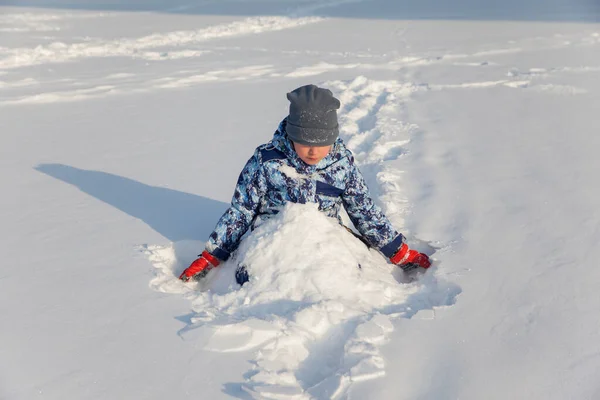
(311, 154)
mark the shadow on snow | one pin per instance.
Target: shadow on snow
(175, 215)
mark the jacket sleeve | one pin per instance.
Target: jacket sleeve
(367, 217)
(234, 223)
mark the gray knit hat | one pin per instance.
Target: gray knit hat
(312, 120)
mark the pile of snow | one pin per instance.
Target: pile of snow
(317, 307)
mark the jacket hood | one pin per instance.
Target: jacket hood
(282, 143)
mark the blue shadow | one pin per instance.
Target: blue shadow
(173, 214)
(477, 10)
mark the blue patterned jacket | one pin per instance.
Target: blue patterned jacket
(275, 175)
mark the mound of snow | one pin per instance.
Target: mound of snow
(317, 307)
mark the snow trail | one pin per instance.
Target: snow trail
(40, 22)
(59, 52)
(374, 133)
(185, 46)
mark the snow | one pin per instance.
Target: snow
(318, 305)
(124, 129)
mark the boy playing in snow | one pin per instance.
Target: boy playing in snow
(305, 162)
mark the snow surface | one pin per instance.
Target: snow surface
(318, 306)
(124, 128)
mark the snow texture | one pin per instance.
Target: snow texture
(316, 310)
(125, 125)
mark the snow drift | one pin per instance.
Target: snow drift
(317, 307)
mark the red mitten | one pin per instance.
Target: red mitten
(200, 267)
(408, 259)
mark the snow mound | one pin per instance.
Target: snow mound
(318, 305)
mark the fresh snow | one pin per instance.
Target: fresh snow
(124, 129)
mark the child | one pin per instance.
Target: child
(305, 161)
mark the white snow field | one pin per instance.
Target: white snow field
(124, 128)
